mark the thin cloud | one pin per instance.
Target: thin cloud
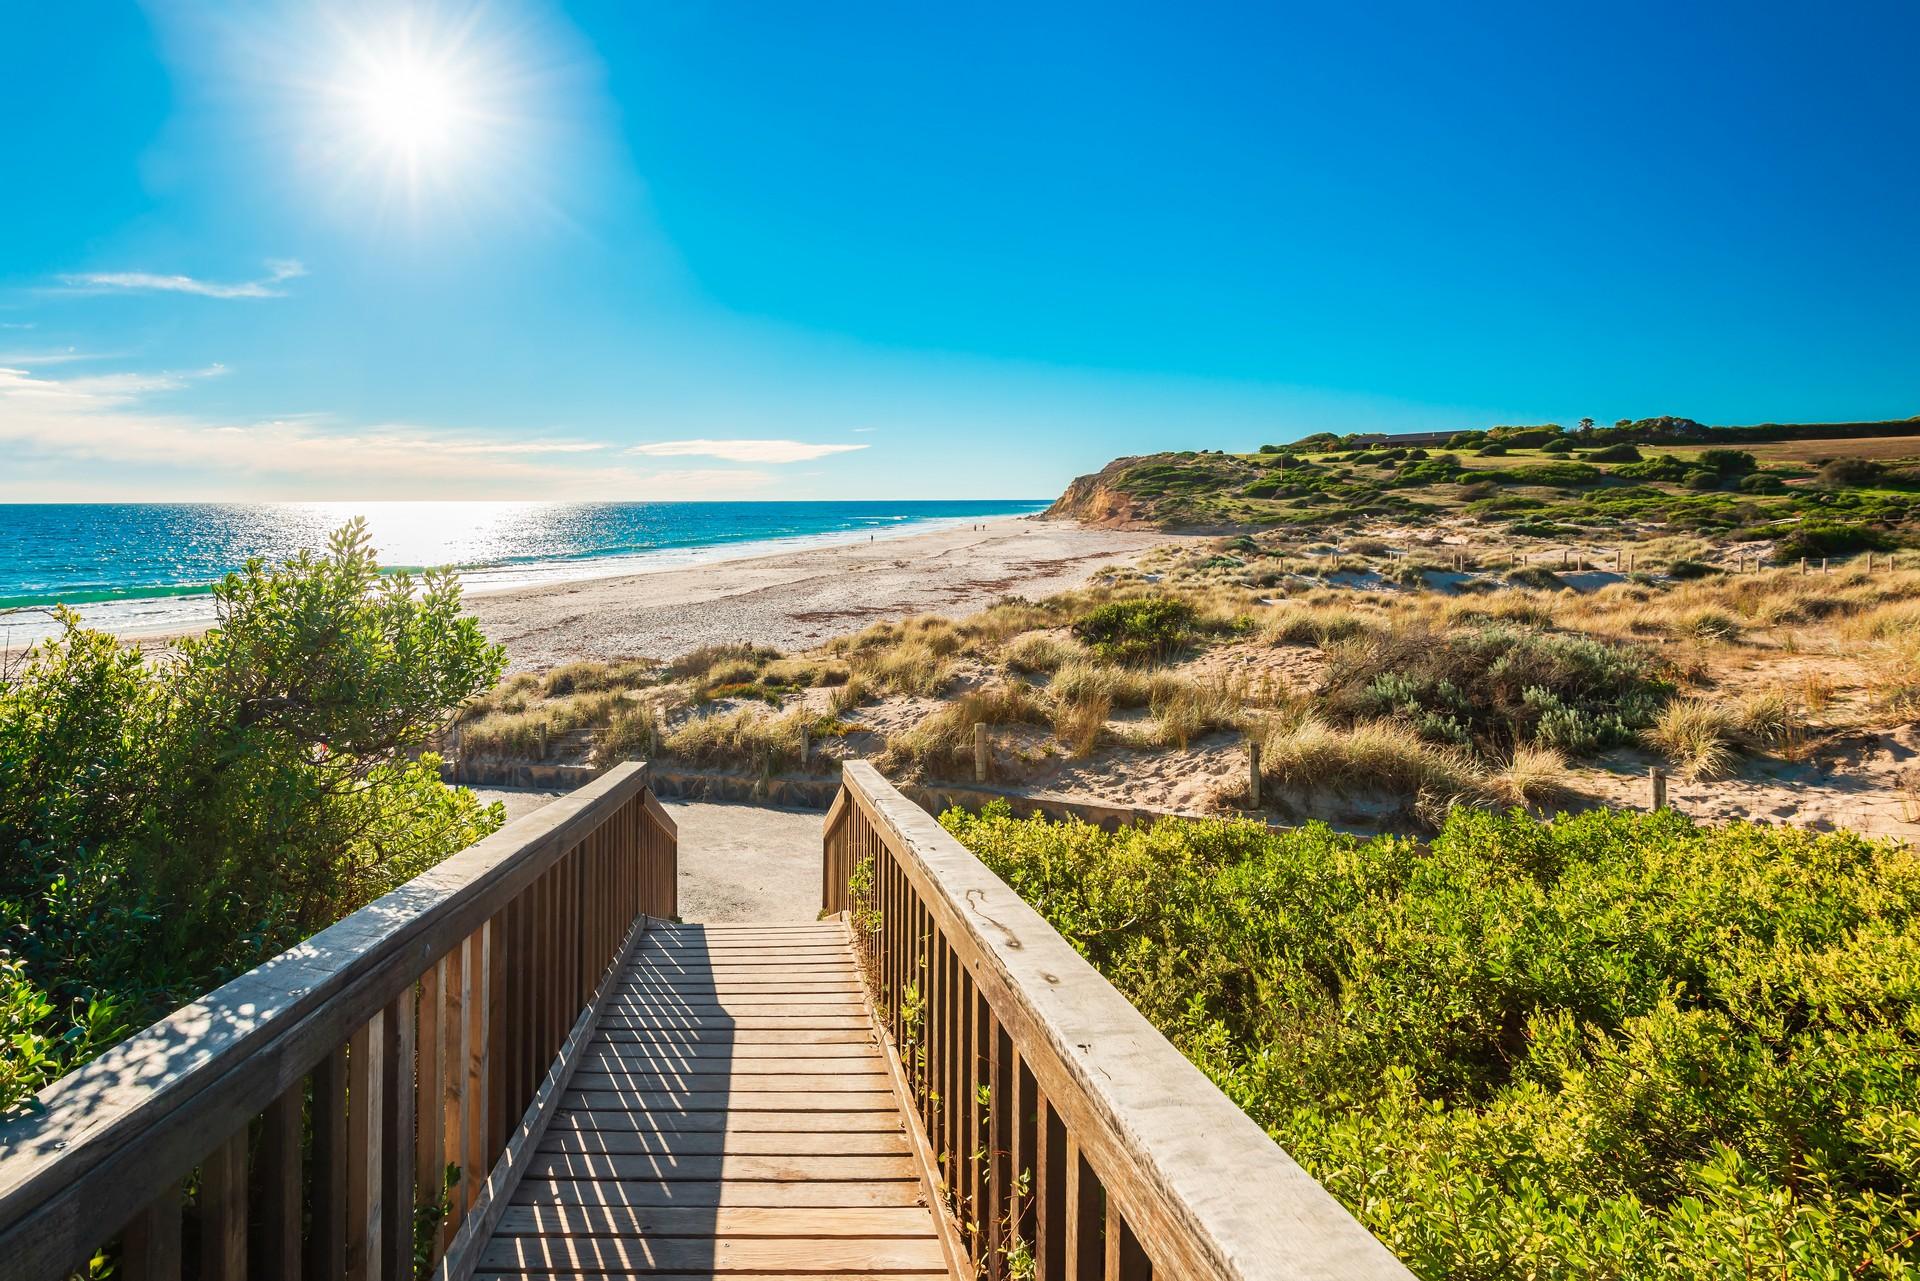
(279, 270)
(69, 429)
(742, 451)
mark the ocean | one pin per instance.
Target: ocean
(144, 567)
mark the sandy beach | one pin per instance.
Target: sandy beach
(793, 600)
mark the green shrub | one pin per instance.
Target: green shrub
(1818, 538)
(169, 824)
(1614, 454)
(1496, 686)
(1612, 1045)
(1140, 630)
(1728, 462)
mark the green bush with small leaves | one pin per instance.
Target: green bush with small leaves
(1609, 1046)
(168, 824)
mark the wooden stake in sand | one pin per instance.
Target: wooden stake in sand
(979, 752)
(1658, 777)
(1253, 776)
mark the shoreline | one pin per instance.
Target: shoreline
(796, 600)
(188, 610)
(794, 597)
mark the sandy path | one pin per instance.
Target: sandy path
(795, 600)
(737, 862)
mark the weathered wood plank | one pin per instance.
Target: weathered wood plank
(658, 1079)
(731, 1100)
(713, 1122)
(715, 1221)
(669, 1143)
(775, 1169)
(727, 1254)
(715, 1192)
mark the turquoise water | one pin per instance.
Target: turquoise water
(134, 566)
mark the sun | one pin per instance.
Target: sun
(411, 106)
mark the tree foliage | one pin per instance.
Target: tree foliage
(165, 825)
(1604, 1046)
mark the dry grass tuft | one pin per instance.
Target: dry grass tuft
(915, 668)
(1078, 725)
(944, 739)
(1696, 737)
(1306, 752)
(1531, 777)
(1043, 652)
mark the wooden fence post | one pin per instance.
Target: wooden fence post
(1659, 779)
(806, 748)
(1803, 566)
(1253, 775)
(979, 751)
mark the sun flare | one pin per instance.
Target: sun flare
(410, 106)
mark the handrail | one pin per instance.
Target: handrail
(1069, 1130)
(341, 1080)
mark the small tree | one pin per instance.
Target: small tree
(166, 825)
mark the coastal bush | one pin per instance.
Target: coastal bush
(1142, 629)
(1493, 687)
(1606, 1046)
(1613, 454)
(169, 824)
(1816, 539)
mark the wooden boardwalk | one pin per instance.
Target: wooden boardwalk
(733, 1113)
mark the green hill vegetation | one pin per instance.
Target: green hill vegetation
(1604, 1046)
(1805, 497)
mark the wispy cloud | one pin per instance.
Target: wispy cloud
(742, 451)
(279, 271)
(71, 436)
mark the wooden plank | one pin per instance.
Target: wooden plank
(730, 1221)
(714, 1192)
(777, 1169)
(676, 1122)
(430, 1162)
(619, 1020)
(732, 1035)
(397, 1153)
(672, 1143)
(223, 1211)
(737, 1081)
(804, 1059)
(327, 1182)
(1084, 1212)
(150, 1246)
(732, 1100)
(366, 1113)
(731, 1254)
(276, 1194)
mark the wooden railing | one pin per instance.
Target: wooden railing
(354, 1107)
(1070, 1139)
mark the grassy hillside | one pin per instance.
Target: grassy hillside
(1801, 497)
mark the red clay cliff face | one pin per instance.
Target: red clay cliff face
(1092, 500)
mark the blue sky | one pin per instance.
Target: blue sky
(617, 250)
